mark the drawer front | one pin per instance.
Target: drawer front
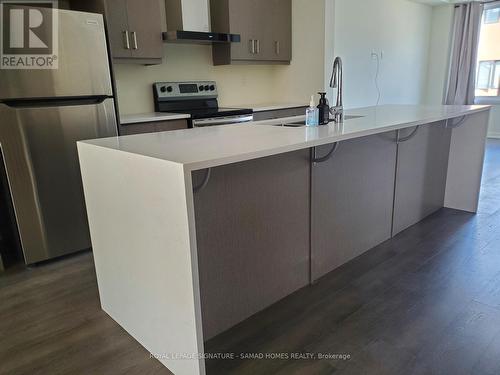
(153, 127)
(279, 113)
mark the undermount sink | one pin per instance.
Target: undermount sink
(299, 124)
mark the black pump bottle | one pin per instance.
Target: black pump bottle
(323, 109)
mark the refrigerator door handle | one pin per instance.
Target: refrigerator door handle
(54, 102)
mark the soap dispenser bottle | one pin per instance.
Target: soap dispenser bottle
(323, 109)
(312, 113)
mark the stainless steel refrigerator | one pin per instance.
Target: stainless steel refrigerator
(42, 115)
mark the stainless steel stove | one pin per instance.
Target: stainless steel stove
(199, 100)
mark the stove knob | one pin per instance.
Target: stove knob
(201, 88)
(170, 89)
(212, 87)
(207, 87)
(163, 89)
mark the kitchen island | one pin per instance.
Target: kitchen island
(196, 230)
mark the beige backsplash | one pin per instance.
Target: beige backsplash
(236, 84)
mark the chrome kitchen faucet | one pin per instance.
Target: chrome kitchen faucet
(337, 82)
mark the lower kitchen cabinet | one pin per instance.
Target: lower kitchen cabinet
(279, 113)
(352, 198)
(152, 127)
(422, 167)
(252, 234)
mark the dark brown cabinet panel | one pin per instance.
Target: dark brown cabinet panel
(279, 113)
(134, 28)
(152, 127)
(352, 197)
(265, 28)
(117, 26)
(278, 41)
(421, 174)
(145, 29)
(252, 234)
(244, 20)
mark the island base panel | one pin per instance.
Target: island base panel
(422, 166)
(352, 197)
(465, 166)
(252, 230)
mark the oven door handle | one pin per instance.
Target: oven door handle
(221, 121)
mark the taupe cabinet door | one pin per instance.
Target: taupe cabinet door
(252, 234)
(145, 29)
(265, 28)
(245, 19)
(134, 28)
(421, 175)
(352, 198)
(278, 41)
(117, 22)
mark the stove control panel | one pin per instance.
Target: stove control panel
(184, 90)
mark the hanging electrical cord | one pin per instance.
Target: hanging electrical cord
(376, 77)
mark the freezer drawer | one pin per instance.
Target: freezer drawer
(83, 64)
(40, 155)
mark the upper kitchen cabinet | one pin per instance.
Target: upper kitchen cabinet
(134, 28)
(265, 27)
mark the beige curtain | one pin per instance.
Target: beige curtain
(462, 79)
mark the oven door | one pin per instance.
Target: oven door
(199, 123)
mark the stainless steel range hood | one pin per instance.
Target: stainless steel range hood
(188, 21)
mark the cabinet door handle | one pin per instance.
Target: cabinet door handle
(400, 139)
(126, 40)
(459, 123)
(277, 47)
(204, 183)
(134, 40)
(315, 159)
(258, 45)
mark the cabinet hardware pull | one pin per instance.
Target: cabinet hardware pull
(134, 40)
(205, 181)
(330, 153)
(277, 45)
(126, 40)
(258, 45)
(451, 125)
(407, 138)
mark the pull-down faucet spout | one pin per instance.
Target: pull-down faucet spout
(337, 82)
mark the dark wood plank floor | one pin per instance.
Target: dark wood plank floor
(425, 302)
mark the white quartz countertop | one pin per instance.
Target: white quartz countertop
(151, 117)
(201, 148)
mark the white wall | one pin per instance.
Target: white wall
(305, 76)
(399, 28)
(439, 54)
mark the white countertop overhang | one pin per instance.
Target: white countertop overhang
(207, 147)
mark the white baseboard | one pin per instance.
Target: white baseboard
(493, 135)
